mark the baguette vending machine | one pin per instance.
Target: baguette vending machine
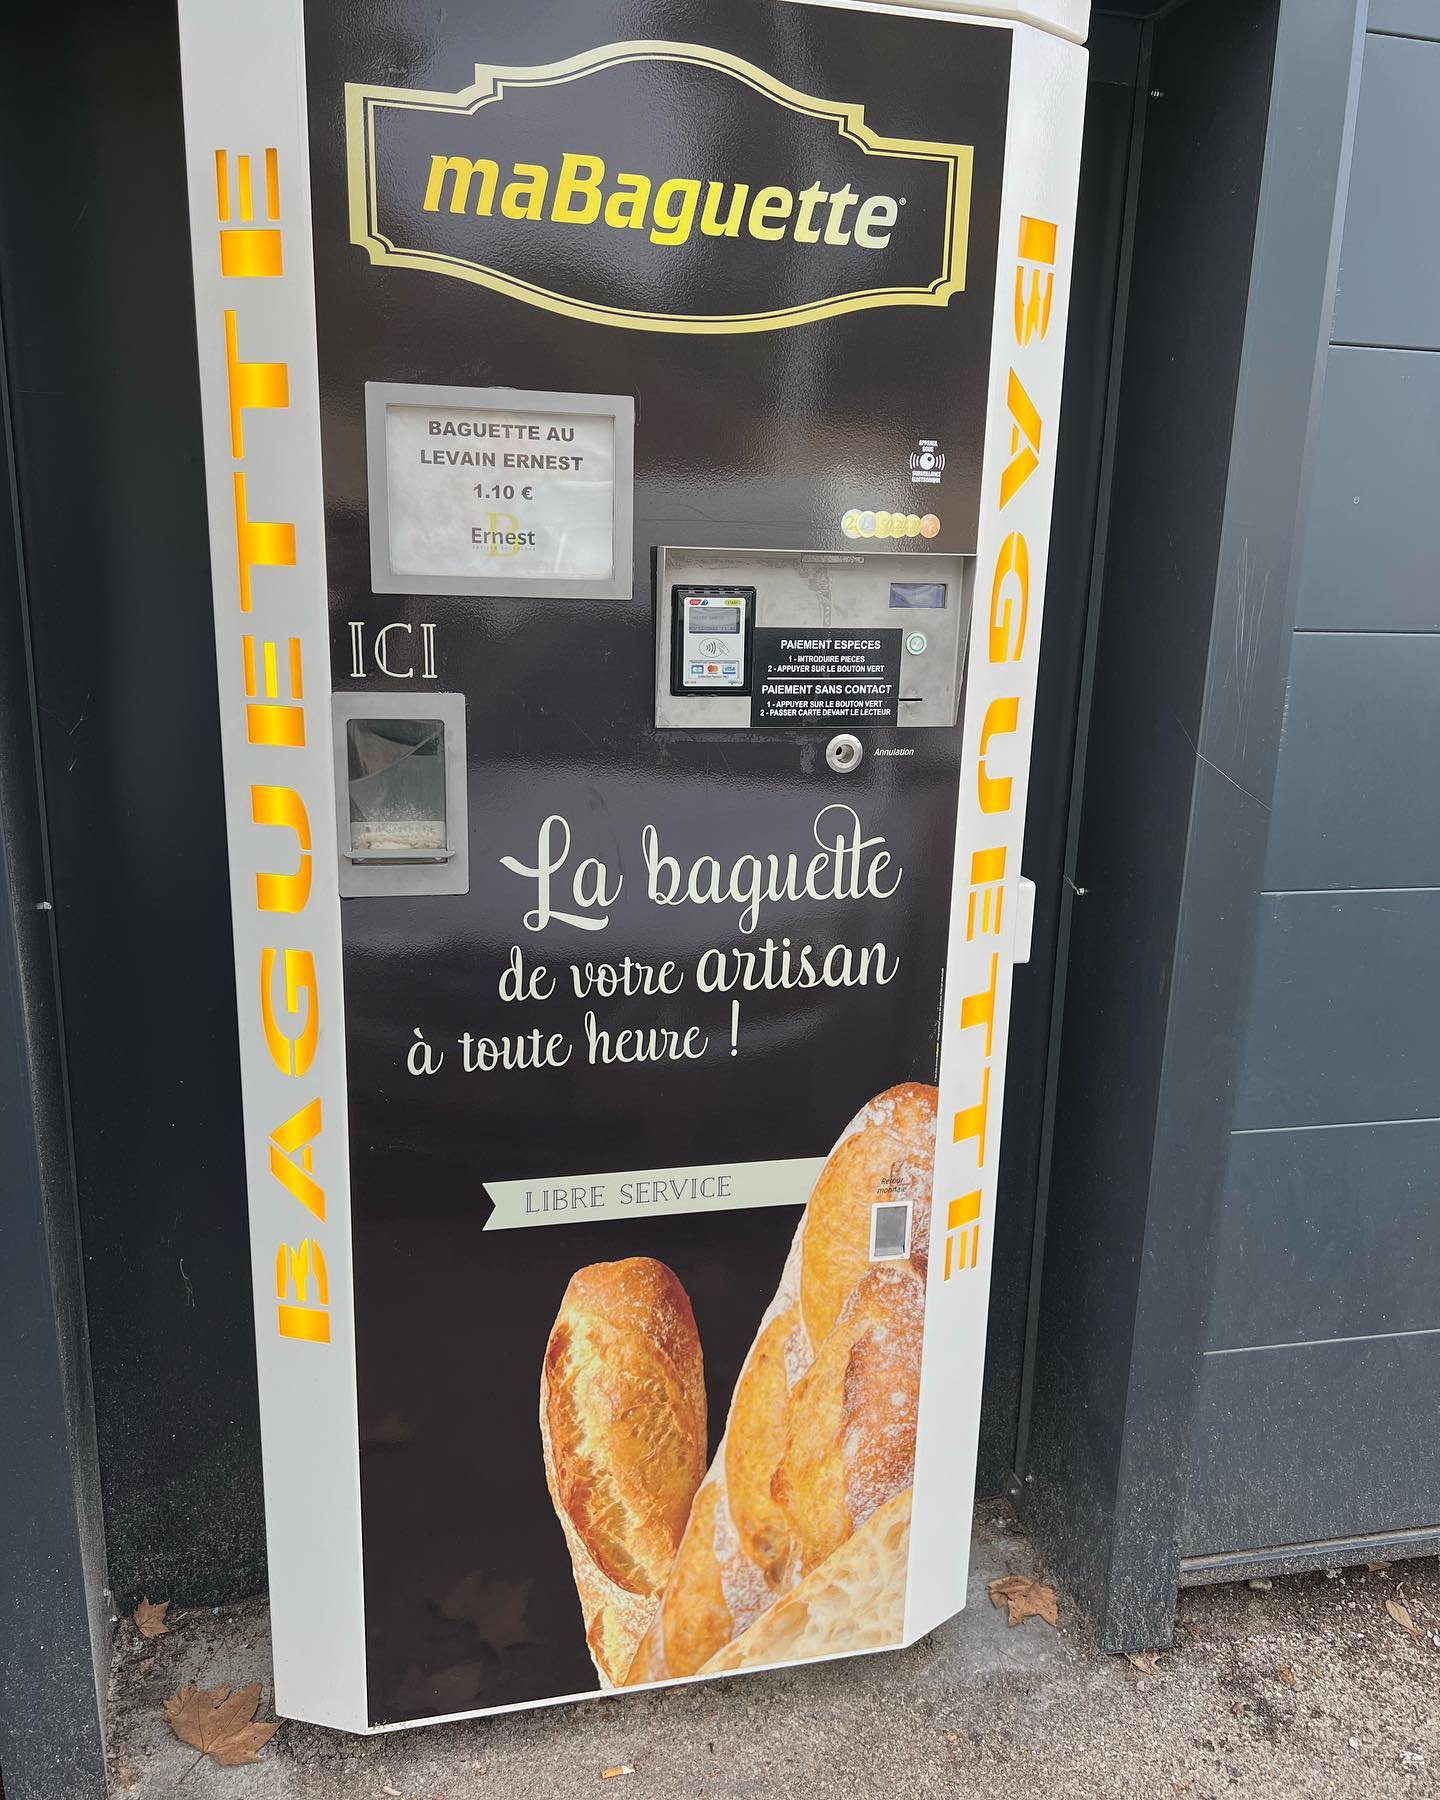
(630, 434)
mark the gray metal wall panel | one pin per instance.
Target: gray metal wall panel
(1153, 1009)
(1326, 1234)
(1293, 1446)
(1410, 18)
(1357, 794)
(1345, 1016)
(1372, 536)
(1389, 289)
(1328, 1249)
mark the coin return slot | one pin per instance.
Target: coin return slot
(396, 772)
(397, 775)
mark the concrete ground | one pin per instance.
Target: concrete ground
(1309, 1688)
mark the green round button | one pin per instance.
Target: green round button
(917, 643)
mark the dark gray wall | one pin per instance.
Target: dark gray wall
(54, 1612)
(101, 331)
(1322, 1346)
(1233, 243)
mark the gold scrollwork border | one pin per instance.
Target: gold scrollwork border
(490, 85)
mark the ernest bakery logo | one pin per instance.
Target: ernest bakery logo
(658, 186)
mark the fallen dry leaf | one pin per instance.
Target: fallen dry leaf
(1024, 1599)
(618, 1769)
(219, 1724)
(149, 1617)
(1285, 1675)
(1402, 1617)
(1146, 1661)
(1377, 1568)
(124, 1774)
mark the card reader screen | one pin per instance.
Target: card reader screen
(711, 642)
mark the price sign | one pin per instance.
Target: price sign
(472, 493)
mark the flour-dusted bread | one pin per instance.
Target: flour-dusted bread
(855, 1600)
(622, 1421)
(821, 1430)
(850, 1426)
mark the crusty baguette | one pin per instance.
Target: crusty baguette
(854, 1601)
(821, 1428)
(850, 1427)
(622, 1421)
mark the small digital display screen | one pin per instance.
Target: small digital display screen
(929, 594)
(722, 621)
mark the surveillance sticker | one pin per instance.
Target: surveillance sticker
(927, 461)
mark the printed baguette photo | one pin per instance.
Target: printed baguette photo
(794, 1543)
(622, 1423)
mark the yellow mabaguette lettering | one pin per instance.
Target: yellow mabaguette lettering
(675, 205)
(711, 224)
(524, 197)
(581, 194)
(463, 171)
(626, 208)
(769, 210)
(572, 182)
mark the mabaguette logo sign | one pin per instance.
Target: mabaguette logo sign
(657, 186)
